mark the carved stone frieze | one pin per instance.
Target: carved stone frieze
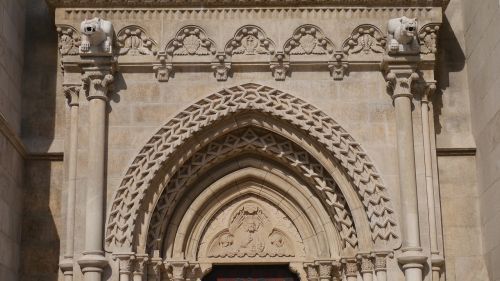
(280, 63)
(365, 39)
(308, 39)
(251, 233)
(428, 36)
(250, 40)
(191, 40)
(245, 3)
(69, 40)
(134, 41)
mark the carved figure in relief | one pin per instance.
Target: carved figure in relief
(97, 36)
(250, 234)
(403, 36)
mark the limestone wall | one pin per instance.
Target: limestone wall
(11, 63)
(482, 52)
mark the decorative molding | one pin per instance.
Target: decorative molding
(308, 39)
(428, 36)
(250, 40)
(68, 40)
(245, 3)
(251, 233)
(456, 151)
(133, 40)
(265, 142)
(191, 40)
(128, 197)
(366, 39)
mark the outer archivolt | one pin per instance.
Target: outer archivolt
(129, 198)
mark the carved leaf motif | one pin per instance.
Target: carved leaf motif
(134, 41)
(69, 41)
(250, 40)
(365, 40)
(191, 41)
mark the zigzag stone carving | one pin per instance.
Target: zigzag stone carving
(128, 198)
(267, 143)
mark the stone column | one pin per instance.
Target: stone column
(436, 259)
(72, 93)
(400, 76)
(97, 79)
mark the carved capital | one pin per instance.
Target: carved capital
(280, 63)
(400, 81)
(312, 271)
(178, 269)
(350, 267)
(140, 263)
(124, 262)
(380, 260)
(221, 66)
(338, 66)
(430, 89)
(72, 93)
(155, 267)
(325, 269)
(366, 263)
(97, 83)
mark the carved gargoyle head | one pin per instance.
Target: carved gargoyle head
(89, 27)
(408, 28)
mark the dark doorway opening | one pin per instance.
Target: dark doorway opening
(251, 273)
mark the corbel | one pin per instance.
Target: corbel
(338, 66)
(162, 68)
(221, 66)
(280, 64)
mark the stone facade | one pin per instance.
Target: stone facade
(160, 139)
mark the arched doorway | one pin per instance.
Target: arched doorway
(251, 273)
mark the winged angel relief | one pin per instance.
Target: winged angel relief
(250, 234)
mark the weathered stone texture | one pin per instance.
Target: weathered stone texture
(482, 53)
(11, 162)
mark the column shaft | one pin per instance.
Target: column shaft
(72, 167)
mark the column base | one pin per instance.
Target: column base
(93, 262)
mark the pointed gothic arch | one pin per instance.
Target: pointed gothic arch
(190, 131)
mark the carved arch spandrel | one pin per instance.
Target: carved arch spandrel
(250, 40)
(307, 40)
(365, 40)
(129, 197)
(267, 144)
(190, 40)
(134, 40)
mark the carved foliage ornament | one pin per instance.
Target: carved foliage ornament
(308, 40)
(191, 40)
(250, 234)
(69, 40)
(129, 196)
(428, 38)
(250, 40)
(365, 39)
(133, 40)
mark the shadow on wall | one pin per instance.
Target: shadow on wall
(40, 240)
(451, 58)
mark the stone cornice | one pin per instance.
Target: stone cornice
(241, 3)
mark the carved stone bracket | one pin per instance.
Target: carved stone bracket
(162, 68)
(280, 64)
(338, 67)
(428, 36)
(134, 41)
(68, 40)
(221, 66)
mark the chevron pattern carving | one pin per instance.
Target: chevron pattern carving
(129, 196)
